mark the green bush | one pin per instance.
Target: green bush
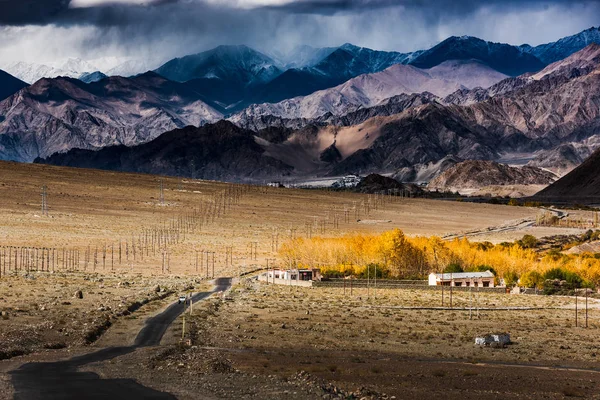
(453, 268)
(511, 278)
(528, 242)
(573, 280)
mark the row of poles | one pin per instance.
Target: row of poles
(156, 240)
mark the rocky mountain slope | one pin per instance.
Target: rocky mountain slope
(239, 64)
(582, 185)
(475, 174)
(524, 115)
(555, 51)
(370, 90)
(226, 74)
(562, 159)
(505, 58)
(220, 151)
(9, 85)
(55, 115)
(344, 63)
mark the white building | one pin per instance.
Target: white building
(464, 279)
(295, 274)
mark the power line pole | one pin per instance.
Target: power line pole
(162, 193)
(44, 200)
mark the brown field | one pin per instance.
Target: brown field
(256, 342)
(94, 210)
(277, 341)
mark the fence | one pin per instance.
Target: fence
(398, 284)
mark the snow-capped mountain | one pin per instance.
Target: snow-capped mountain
(345, 62)
(9, 85)
(555, 51)
(132, 67)
(92, 77)
(505, 58)
(229, 63)
(32, 72)
(368, 90)
(302, 56)
(226, 75)
(586, 58)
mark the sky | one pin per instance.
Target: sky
(52, 30)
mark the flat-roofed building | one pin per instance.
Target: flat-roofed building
(463, 279)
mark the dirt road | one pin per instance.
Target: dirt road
(62, 380)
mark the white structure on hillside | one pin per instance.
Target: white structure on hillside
(464, 279)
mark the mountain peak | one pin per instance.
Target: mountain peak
(507, 59)
(229, 63)
(9, 85)
(350, 46)
(556, 51)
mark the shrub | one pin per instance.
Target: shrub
(453, 268)
(573, 280)
(511, 278)
(531, 279)
(528, 242)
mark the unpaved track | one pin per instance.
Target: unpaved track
(511, 227)
(62, 380)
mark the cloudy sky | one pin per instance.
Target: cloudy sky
(50, 30)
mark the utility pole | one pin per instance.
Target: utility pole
(375, 282)
(586, 307)
(470, 302)
(44, 200)
(576, 321)
(162, 193)
(368, 271)
(451, 280)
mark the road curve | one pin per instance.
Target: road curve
(61, 380)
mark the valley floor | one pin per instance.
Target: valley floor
(259, 341)
(275, 341)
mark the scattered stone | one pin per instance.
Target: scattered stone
(493, 340)
(78, 294)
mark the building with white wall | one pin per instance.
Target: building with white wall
(463, 279)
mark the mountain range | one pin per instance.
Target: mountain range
(392, 117)
(369, 90)
(471, 175)
(220, 151)
(524, 114)
(55, 115)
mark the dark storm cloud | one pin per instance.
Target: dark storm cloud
(30, 29)
(21, 12)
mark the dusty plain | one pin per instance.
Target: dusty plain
(259, 341)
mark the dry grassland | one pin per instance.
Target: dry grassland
(275, 341)
(97, 209)
(263, 331)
